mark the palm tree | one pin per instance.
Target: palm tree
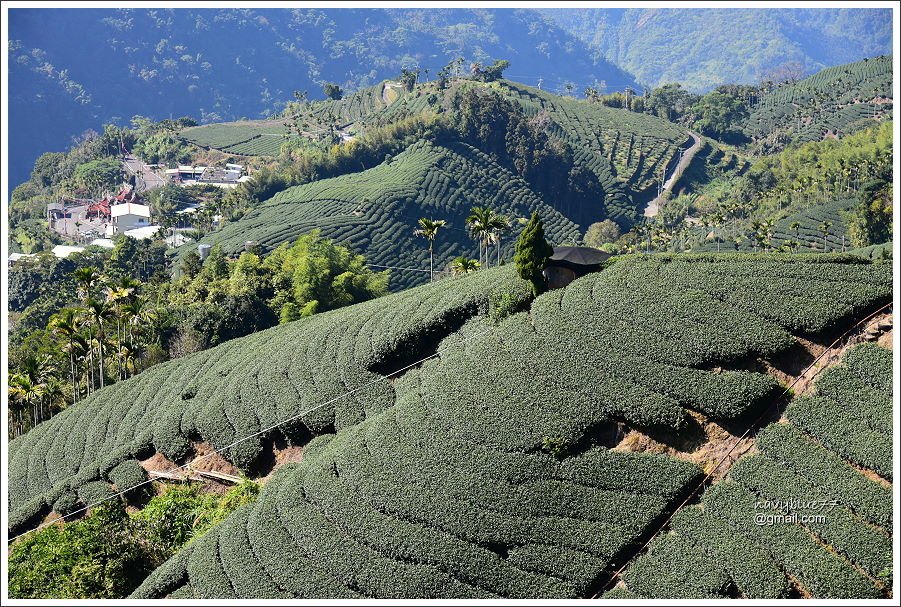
(796, 228)
(480, 223)
(119, 295)
(22, 392)
(428, 229)
(37, 371)
(463, 265)
(720, 220)
(499, 225)
(642, 231)
(128, 357)
(99, 312)
(53, 389)
(824, 228)
(78, 349)
(85, 279)
(141, 318)
(65, 324)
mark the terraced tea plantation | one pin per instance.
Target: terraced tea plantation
(636, 147)
(807, 516)
(240, 387)
(627, 151)
(837, 100)
(490, 472)
(809, 232)
(245, 138)
(356, 107)
(375, 212)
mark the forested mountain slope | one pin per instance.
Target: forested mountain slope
(224, 64)
(705, 47)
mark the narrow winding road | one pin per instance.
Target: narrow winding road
(654, 206)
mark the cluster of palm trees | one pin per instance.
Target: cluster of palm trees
(33, 391)
(486, 227)
(201, 221)
(102, 341)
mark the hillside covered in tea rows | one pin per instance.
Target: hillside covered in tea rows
(837, 101)
(441, 152)
(828, 464)
(375, 211)
(452, 478)
(233, 390)
(479, 482)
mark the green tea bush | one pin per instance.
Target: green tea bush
(243, 386)
(848, 436)
(793, 449)
(869, 548)
(845, 553)
(374, 212)
(676, 569)
(449, 493)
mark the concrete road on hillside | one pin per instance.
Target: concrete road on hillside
(654, 206)
(146, 178)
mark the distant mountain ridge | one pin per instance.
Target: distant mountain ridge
(74, 70)
(702, 48)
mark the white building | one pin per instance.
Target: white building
(14, 257)
(106, 243)
(62, 251)
(127, 216)
(185, 174)
(142, 232)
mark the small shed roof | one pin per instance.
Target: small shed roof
(141, 233)
(580, 256)
(62, 251)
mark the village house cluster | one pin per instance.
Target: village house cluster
(98, 222)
